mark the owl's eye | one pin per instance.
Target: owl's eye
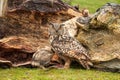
(62, 25)
(51, 24)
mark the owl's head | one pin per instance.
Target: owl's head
(56, 29)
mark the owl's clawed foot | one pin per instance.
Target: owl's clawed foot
(86, 64)
(42, 67)
(67, 63)
(66, 67)
(59, 66)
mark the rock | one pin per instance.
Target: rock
(15, 51)
(96, 34)
(75, 24)
(102, 37)
(107, 16)
(112, 65)
(45, 6)
(71, 26)
(5, 63)
(42, 7)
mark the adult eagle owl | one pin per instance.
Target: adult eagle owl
(67, 47)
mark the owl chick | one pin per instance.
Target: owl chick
(67, 47)
(41, 58)
(45, 58)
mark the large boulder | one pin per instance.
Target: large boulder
(15, 51)
(108, 22)
(101, 36)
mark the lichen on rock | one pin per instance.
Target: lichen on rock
(107, 16)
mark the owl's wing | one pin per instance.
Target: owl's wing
(83, 59)
(77, 46)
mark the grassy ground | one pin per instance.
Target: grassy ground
(71, 74)
(92, 5)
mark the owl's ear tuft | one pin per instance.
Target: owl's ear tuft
(51, 24)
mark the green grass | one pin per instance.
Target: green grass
(92, 5)
(54, 74)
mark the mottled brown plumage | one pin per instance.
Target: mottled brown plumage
(42, 57)
(45, 58)
(68, 47)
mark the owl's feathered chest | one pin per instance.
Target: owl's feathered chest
(63, 44)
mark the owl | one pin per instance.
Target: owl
(45, 58)
(41, 58)
(68, 48)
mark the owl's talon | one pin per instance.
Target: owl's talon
(66, 67)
